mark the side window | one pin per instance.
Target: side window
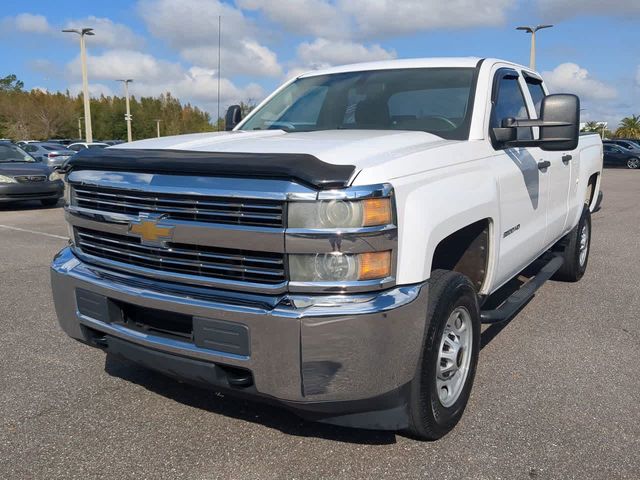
(537, 93)
(29, 148)
(510, 103)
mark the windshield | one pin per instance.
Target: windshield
(13, 153)
(435, 100)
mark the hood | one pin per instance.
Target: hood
(362, 148)
(12, 169)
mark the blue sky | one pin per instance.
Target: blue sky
(171, 45)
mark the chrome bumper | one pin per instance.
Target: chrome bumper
(302, 348)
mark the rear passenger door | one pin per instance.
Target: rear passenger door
(523, 186)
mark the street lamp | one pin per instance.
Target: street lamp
(158, 126)
(85, 81)
(79, 127)
(532, 31)
(127, 115)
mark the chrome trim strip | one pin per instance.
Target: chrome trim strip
(243, 188)
(342, 287)
(359, 192)
(356, 240)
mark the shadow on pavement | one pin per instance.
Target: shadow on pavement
(27, 205)
(268, 415)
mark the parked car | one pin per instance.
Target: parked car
(22, 177)
(617, 155)
(84, 145)
(338, 251)
(22, 143)
(64, 141)
(628, 144)
(53, 154)
(113, 142)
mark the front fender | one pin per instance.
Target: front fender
(434, 205)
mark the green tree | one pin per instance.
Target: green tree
(10, 83)
(629, 127)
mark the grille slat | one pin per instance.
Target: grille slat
(211, 262)
(201, 208)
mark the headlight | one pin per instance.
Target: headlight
(5, 179)
(339, 267)
(54, 176)
(340, 213)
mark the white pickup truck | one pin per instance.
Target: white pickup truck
(338, 250)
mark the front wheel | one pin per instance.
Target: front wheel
(633, 163)
(442, 385)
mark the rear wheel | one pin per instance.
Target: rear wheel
(633, 163)
(576, 250)
(446, 369)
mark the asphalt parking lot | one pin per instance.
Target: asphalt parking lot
(557, 394)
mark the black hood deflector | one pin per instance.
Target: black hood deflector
(294, 166)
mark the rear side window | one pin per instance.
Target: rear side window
(510, 103)
(537, 93)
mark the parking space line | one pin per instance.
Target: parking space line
(18, 229)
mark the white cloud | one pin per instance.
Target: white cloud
(306, 17)
(377, 18)
(246, 58)
(323, 52)
(95, 89)
(191, 27)
(559, 9)
(117, 64)
(107, 33)
(571, 78)
(30, 23)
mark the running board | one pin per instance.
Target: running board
(519, 298)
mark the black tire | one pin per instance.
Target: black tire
(429, 419)
(573, 269)
(49, 202)
(633, 163)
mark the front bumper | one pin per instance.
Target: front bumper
(16, 192)
(344, 359)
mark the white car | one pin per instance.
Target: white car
(84, 145)
(338, 251)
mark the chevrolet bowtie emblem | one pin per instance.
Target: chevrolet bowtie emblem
(150, 232)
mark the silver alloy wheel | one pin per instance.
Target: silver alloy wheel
(633, 163)
(454, 356)
(584, 244)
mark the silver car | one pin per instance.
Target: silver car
(52, 154)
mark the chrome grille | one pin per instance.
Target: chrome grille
(201, 208)
(210, 262)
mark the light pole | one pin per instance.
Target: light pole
(127, 115)
(158, 126)
(532, 31)
(85, 81)
(79, 127)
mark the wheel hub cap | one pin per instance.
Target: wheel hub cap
(454, 356)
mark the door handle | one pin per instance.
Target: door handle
(544, 165)
(566, 158)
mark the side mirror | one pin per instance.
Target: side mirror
(559, 125)
(233, 117)
(563, 110)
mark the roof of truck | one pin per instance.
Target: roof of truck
(432, 62)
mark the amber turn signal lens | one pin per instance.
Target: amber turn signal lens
(377, 211)
(374, 265)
